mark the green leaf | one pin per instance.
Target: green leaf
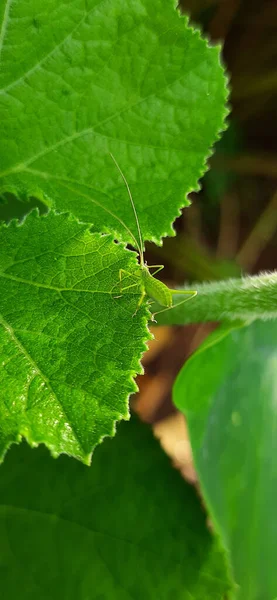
(128, 527)
(82, 79)
(231, 412)
(69, 348)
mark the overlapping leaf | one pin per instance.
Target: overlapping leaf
(128, 527)
(69, 347)
(81, 79)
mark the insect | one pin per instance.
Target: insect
(154, 288)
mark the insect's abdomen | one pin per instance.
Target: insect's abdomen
(157, 290)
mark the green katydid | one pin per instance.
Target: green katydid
(154, 288)
(149, 286)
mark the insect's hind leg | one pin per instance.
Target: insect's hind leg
(190, 293)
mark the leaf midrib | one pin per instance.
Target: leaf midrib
(91, 130)
(56, 289)
(20, 509)
(10, 331)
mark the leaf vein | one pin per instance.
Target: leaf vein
(4, 25)
(10, 331)
(49, 54)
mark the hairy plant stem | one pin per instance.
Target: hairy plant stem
(242, 299)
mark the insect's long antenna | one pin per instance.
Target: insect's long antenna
(107, 210)
(140, 245)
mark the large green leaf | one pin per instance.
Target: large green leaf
(82, 79)
(127, 528)
(69, 348)
(228, 392)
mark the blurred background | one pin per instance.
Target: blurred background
(231, 226)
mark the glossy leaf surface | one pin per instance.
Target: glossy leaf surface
(69, 346)
(227, 391)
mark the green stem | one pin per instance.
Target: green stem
(244, 299)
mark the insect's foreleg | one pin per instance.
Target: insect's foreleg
(159, 268)
(127, 287)
(136, 284)
(121, 271)
(190, 293)
(143, 294)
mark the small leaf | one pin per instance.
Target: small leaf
(69, 348)
(128, 527)
(82, 79)
(227, 391)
